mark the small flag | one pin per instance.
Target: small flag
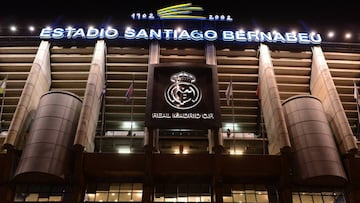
(130, 92)
(3, 86)
(229, 93)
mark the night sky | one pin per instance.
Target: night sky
(304, 15)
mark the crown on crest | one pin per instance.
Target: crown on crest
(183, 77)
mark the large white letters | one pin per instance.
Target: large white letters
(184, 34)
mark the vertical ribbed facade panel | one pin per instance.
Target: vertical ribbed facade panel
(38, 83)
(270, 102)
(48, 149)
(315, 154)
(86, 130)
(323, 87)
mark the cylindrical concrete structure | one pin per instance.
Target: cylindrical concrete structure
(48, 150)
(315, 155)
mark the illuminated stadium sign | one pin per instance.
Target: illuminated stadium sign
(184, 34)
(183, 95)
(179, 12)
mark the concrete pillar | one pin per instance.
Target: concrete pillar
(211, 141)
(38, 83)
(277, 132)
(8, 162)
(148, 191)
(78, 181)
(285, 195)
(210, 54)
(89, 115)
(217, 142)
(7, 193)
(322, 86)
(218, 192)
(151, 138)
(352, 195)
(154, 53)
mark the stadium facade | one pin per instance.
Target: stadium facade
(157, 114)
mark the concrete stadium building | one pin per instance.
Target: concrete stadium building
(128, 117)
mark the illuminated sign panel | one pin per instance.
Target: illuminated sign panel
(182, 95)
(180, 12)
(175, 34)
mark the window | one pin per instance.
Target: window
(245, 193)
(41, 193)
(182, 193)
(114, 192)
(318, 197)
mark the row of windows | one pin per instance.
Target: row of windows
(186, 145)
(114, 192)
(41, 193)
(133, 192)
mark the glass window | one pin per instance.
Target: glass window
(239, 197)
(114, 192)
(317, 197)
(245, 193)
(262, 197)
(114, 187)
(182, 193)
(228, 199)
(329, 199)
(296, 198)
(32, 197)
(206, 198)
(306, 198)
(40, 192)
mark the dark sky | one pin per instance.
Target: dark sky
(331, 13)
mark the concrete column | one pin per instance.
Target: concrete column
(217, 142)
(277, 132)
(79, 182)
(273, 194)
(7, 193)
(217, 182)
(151, 138)
(285, 195)
(38, 82)
(210, 54)
(8, 162)
(148, 191)
(352, 195)
(218, 187)
(322, 86)
(89, 115)
(211, 141)
(154, 55)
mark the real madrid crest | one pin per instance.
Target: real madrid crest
(183, 93)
